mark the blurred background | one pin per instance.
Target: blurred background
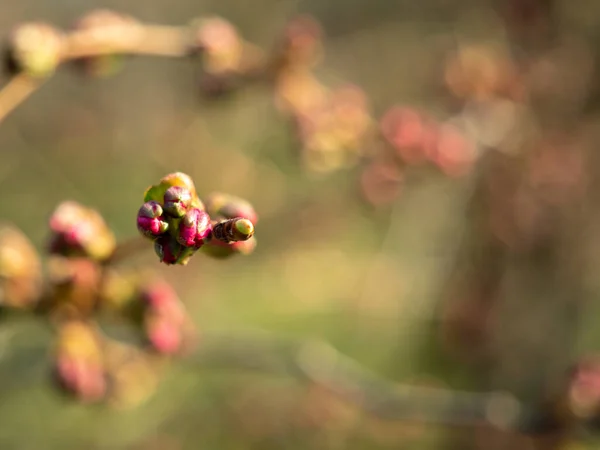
(477, 282)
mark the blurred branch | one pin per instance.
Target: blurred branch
(15, 92)
(319, 363)
(154, 40)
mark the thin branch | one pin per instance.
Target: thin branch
(15, 92)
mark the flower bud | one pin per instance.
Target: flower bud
(82, 378)
(233, 230)
(194, 228)
(230, 207)
(164, 335)
(79, 361)
(171, 252)
(150, 221)
(161, 298)
(35, 49)
(177, 200)
(80, 231)
(301, 44)
(20, 269)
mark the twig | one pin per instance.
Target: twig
(15, 92)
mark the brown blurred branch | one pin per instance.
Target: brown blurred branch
(15, 92)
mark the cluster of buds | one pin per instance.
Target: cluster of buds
(179, 224)
(411, 138)
(416, 139)
(332, 124)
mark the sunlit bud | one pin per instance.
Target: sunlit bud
(194, 228)
(35, 49)
(150, 221)
(177, 200)
(20, 269)
(80, 231)
(233, 230)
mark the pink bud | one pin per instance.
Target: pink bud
(164, 336)
(194, 229)
(150, 221)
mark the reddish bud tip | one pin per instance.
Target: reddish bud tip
(177, 200)
(194, 229)
(150, 221)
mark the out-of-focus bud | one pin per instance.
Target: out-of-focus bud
(133, 374)
(220, 250)
(230, 207)
(171, 252)
(160, 297)
(150, 220)
(20, 269)
(117, 290)
(80, 231)
(480, 72)
(381, 183)
(233, 230)
(584, 389)
(74, 287)
(406, 129)
(452, 152)
(79, 365)
(220, 44)
(106, 30)
(35, 49)
(298, 91)
(164, 335)
(333, 134)
(194, 229)
(301, 43)
(177, 200)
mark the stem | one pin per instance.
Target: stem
(15, 92)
